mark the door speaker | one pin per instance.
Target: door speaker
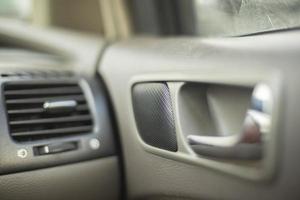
(154, 115)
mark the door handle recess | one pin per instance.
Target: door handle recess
(250, 142)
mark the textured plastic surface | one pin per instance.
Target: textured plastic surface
(154, 115)
(235, 61)
(92, 180)
(102, 130)
(78, 179)
(55, 52)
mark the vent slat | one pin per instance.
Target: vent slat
(43, 99)
(40, 110)
(54, 131)
(48, 91)
(28, 120)
(35, 73)
(52, 120)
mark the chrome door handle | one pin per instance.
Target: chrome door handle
(249, 143)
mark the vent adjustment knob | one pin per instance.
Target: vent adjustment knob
(60, 106)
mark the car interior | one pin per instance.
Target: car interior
(149, 99)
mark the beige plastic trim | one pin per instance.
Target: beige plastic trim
(258, 171)
(115, 19)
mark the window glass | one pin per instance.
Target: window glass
(238, 17)
(20, 9)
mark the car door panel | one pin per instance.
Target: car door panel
(237, 61)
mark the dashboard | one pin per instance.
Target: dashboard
(55, 112)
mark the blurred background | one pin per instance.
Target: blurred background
(118, 19)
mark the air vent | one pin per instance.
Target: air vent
(45, 110)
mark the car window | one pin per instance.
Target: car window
(238, 17)
(17, 9)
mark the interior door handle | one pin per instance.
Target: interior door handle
(250, 142)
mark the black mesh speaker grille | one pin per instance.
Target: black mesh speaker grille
(154, 115)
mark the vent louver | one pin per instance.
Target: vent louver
(46, 110)
(37, 74)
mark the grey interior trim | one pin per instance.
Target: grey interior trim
(76, 50)
(270, 58)
(41, 49)
(251, 170)
(91, 180)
